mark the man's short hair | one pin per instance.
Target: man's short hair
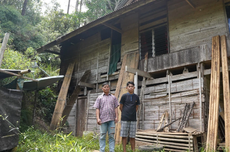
(130, 82)
(104, 84)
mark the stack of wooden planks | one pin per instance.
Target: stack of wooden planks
(217, 45)
(170, 141)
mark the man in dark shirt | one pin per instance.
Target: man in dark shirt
(129, 105)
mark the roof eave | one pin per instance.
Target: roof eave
(92, 24)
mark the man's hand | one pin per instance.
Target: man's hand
(99, 121)
(116, 120)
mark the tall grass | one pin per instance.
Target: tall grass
(33, 140)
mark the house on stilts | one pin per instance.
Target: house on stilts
(164, 46)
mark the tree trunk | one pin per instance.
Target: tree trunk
(24, 7)
(76, 6)
(68, 7)
(81, 5)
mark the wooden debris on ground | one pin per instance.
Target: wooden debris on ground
(171, 141)
(189, 129)
(160, 129)
(185, 117)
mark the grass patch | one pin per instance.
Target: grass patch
(33, 140)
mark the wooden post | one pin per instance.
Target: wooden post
(136, 83)
(109, 61)
(141, 108)
(169, 94)
(87, 111)
(60, 104)
(224, 58)
(199, 68)
(214, 95)
(3, 48)
(74, 97)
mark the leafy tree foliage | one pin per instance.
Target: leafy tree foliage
(98, 8)
(23, 34)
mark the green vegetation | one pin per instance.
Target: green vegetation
(34, 140)
(29, 29)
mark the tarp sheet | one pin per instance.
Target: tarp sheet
(114, 58)
(10, 111)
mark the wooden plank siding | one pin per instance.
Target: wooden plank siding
(194, 27)
(190, 32)
(156, 102)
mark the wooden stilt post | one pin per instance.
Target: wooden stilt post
(141, 108)
(226, 91)
(60, 104)
(214, 96)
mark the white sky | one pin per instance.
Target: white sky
(64, 5)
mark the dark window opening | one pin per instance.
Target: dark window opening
(146, 44)
(228, 14)
(105, 34)
(154, 41)
(161, 40)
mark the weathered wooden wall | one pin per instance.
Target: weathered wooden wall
(129, 39)
(190, 33)
(189, 27)
(76, 119)
(91, 124)
(156, 102)
(177, 59)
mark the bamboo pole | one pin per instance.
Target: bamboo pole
(18, 75)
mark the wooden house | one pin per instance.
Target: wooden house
(176, 34)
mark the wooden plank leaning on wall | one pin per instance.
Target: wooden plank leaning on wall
(60, 104)
(214, 96)
(130, 60)
(225, 75)
(74, 96)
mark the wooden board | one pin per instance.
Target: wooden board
(73, 97)
(174, 141)
(214, 96)
(131, 60)
(80, 117)
(225, 90)
(60, 104)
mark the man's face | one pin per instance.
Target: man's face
(130, 88)
(106, 89)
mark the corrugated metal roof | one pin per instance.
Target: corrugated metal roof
(4, 75)
(41, 83)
